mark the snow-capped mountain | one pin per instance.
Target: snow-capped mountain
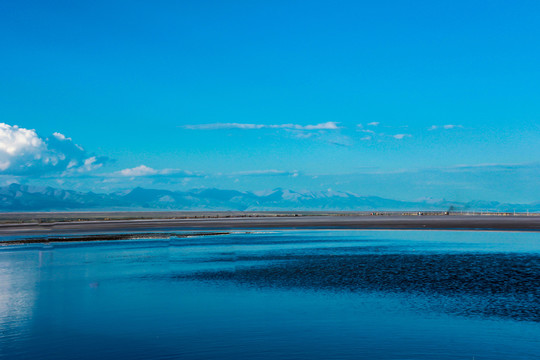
(17, 197)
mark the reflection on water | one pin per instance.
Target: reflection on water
(290, 294)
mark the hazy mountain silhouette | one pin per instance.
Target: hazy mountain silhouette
(17, 197)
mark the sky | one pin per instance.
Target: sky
(399, 99)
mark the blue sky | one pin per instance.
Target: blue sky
(390, 98)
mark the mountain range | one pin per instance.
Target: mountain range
(16, 197)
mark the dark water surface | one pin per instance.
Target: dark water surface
(275, 295)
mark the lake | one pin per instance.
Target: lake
(305, 294)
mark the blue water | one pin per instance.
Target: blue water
(275, 295)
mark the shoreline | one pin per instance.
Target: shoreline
(105, 237)
(283, 221)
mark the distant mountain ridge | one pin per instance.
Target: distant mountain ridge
(16, 197)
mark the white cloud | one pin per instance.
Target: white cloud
(327, 132)
(368, 131)
(218, 126)
(15, 141)
(60, 136)
(143, 170)
(270, 172)
(146, 171)
(492, 167)
(446, 127)
(24, 152)
(401, 136)
(374, 123)
(330, 125)
(92, 163)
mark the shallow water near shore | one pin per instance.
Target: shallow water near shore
(275, 294)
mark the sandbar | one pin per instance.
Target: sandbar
(71, 225)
